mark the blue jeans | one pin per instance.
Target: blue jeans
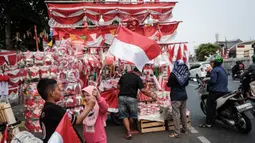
(128, 107)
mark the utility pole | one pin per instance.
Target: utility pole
(226, 46)
(217, 37)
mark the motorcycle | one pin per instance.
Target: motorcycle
(231, 109)
(250, 98)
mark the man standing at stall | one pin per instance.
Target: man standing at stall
(129, 84)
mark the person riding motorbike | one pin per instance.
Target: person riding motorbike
(217, 87)
(237, 68)
(241, 65)
(248, 76)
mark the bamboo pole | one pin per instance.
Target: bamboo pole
(36, 38)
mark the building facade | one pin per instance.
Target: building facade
(245, 49)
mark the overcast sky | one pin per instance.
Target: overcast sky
(202, 19)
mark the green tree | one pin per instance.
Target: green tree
(20, 16)
(205, 50)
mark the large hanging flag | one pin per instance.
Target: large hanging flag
(133, 47)
(64, 133)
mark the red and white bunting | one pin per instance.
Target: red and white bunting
(66, 15)
(98, 35)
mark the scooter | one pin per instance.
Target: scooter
(231, 109)
(250, 98)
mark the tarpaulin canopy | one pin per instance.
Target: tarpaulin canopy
(74, 14)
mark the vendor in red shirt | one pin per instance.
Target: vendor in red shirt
(129, 84)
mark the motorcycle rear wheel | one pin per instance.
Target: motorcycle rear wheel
(247, 123)
(203, 108)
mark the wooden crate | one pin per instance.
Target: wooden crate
(147, 126)
(6, 115)
(170, 124)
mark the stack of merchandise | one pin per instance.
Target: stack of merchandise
(155, 110)
(33, 104)
(65, 63)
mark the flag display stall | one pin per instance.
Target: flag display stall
(80, 55)
(141, 20)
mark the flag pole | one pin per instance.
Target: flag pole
(36, 38)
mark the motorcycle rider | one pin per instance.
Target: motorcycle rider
(217, 87)
(237, 68)
(248, 73)
(241, 65)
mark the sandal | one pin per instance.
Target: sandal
(174, 135)
(134, 132)
(205, 126)
(128, 136)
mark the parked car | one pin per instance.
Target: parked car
(199, 69)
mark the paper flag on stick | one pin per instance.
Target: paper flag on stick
(50, 43)
(83, 37)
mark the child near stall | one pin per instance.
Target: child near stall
(51, 115)
(93, 124)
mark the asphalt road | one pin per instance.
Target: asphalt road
(219, 133)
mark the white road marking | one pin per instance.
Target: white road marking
(193, 130)
(203, 139)
(193, 85)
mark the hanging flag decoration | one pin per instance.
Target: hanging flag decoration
(75, 14)
(171, 53)
(179, 53)
(127, 46)
(185, 54)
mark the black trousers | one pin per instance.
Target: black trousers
(246, 85)
(211, 105)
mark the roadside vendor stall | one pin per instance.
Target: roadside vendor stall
(83, 32)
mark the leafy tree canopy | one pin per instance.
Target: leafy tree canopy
(204, 50)
(20, 16)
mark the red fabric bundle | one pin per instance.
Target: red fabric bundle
(111, 97)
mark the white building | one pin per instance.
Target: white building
(245, 49)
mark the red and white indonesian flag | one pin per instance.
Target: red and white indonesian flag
(64, 133)
(133, 47)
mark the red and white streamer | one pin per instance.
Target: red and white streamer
(64, 15)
